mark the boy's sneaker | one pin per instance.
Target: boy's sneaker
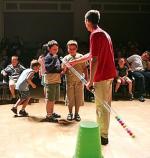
(104, 141)
(23, 113)
(50, 119)
(56, 115)
(141, 99)
(70, 117)
(14, 110)
(77, 117)
(131, 96)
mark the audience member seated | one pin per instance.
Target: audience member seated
(13, 72)
(141, 76)
(146, 65)
(123, 78)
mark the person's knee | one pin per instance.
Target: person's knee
(11, 84)
(118, 82)
(141, 76)
(129, 82)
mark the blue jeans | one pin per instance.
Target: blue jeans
(142, 80)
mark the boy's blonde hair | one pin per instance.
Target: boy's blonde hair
(34, 63)
(72, 42)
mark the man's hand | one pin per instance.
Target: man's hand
(89, 85)
(73, 62)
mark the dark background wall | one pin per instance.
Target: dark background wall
(124, 27)
(39, 27)
(36, 21)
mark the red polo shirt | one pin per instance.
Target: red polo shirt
(102, 48)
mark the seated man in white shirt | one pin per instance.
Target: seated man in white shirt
(141, 76)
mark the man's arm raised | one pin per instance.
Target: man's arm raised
(83, 59)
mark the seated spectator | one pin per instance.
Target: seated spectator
(146, 62)
(141, 76)
(13, 71)
(146, 65)
(123, 77)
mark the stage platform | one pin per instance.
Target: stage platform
(29, 138)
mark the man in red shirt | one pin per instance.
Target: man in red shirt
(102, 69)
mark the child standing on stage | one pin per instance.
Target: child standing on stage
(41, 60)
(74, 87)
(22, 86)
(52, 81)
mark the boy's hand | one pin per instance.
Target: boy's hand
(62, 73)
(33, 86)
(4, 73)
(55, 56)
(64, 69)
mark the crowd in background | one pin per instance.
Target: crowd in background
(16, 47)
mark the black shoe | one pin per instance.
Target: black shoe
(14, 110)
(141, 98)
(77, 117)
(104, 141)
(45, 119)
(51, 119)
(131, 96)
(23, 113)
(70, 117)
(56, 115)
(115, 96)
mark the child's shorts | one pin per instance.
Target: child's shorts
(53, 92)
(24, 94)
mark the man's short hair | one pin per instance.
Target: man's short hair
(72, 42)
(93, 16)
(51, 43)
(34, 63)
